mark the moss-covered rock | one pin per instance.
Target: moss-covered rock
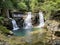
(5, 31)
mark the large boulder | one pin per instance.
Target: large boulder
(52, 25)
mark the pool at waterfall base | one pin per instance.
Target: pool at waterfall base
(22, 32)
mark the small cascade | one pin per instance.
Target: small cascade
(28, 27)
(41, 20)
(15, 26)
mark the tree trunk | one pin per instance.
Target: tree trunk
(5, 13)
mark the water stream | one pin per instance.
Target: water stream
(15, 26)
(41, 20)
(28, 24)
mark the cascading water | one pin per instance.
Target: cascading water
(28, 27)
(15, 27)
(28, 24)
(41, 20)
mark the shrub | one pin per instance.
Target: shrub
(4, 30)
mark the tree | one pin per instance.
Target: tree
(48, 6)
(35, 5)
(6, 5)
(22, 6)
(27, 3)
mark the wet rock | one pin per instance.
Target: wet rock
(20, 22)
(11, 32)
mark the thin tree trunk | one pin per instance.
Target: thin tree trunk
(7, 13)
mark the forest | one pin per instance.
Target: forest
(50, 9)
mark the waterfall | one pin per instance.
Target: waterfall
(28, 24)
(28, 27)
(41, 20)
(15, 26)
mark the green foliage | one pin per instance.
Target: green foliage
(4, 30)
(1, 18)
(58, 4)
(28, 2)
(31, 5)
(22, 6)
(15, 3)
(34, 5)
(48, 6)
(7, 4)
